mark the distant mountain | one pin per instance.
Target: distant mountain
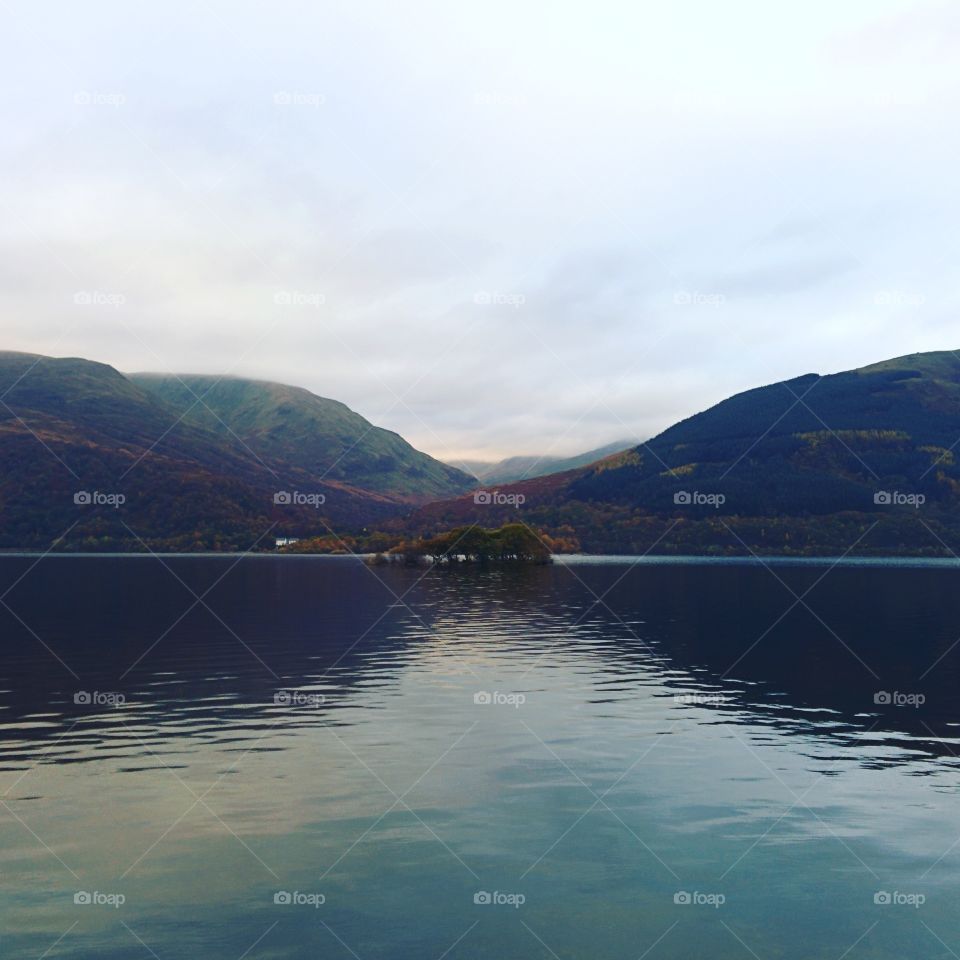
(862, 460)
(517, 468)
(75, 430)
(476, 468)
(323, 437)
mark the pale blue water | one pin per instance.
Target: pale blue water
(310, 727)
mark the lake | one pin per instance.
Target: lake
(220, 758)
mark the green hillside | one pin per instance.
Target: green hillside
(323, 437)
(862, 460)
(70, 427)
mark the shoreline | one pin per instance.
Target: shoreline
(559, 559)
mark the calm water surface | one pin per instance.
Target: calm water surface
(582, 745)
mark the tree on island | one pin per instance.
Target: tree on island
(513, 542)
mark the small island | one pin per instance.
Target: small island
(511, 543)
(470, 543)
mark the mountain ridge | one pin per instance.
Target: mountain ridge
(525, 466)
(71, 427)
(322, 436)
(861, 460)
(814, 464)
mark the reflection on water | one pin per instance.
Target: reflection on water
(199, 737)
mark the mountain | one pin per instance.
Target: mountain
(862, 460)
(323, 437)
(92, 460)
(513, 469)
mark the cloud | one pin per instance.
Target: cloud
(490, 236)
(784, 277)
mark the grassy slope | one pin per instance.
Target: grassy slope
(323, 437)
(68, 425)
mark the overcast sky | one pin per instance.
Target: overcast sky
(496, 227)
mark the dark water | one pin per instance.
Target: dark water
(306, 726)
